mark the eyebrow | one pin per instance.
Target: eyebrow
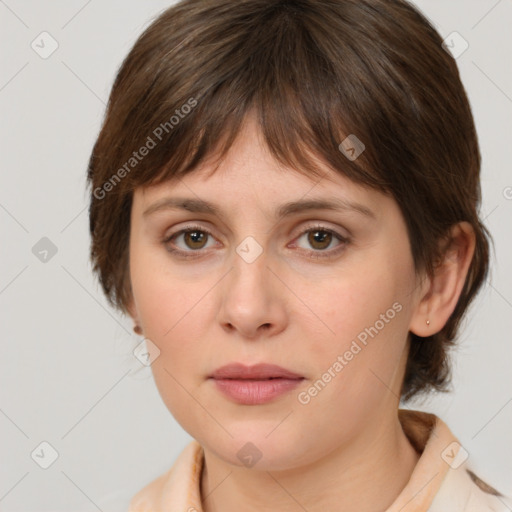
(286, 209)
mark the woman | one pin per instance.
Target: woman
(284, 198)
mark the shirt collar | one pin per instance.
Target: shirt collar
(179, 488)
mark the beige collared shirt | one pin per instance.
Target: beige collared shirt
(441, 481)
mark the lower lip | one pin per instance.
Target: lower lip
(254, 392)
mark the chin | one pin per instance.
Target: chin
(259, 447)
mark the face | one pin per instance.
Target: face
(327, 294)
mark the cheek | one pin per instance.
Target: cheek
(372, 296)
(162, 297)
(173, 310)
(368, 316)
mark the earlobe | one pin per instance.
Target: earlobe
(439, 298)
(132, 311)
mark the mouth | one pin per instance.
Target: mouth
(254, 385)
(262, 371)
(255, 380)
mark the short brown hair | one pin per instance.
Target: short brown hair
(313, 72)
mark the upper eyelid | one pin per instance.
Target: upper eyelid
(315, 225)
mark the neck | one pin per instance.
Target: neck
(366, 475)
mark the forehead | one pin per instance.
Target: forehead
(250, 172)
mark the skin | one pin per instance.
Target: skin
(288, 309)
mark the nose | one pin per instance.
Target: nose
(253, 299)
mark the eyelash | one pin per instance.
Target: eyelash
(314, 254)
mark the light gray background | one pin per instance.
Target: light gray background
(67, 369)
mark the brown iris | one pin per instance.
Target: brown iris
(196, 237)
(321, 237)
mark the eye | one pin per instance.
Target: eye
(320, 238)
(194, 238)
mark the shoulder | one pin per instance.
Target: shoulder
(148, 497)
(174, 488)
(462, 490)
(444, 470)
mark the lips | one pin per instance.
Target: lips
(263, 371)
(254, 385)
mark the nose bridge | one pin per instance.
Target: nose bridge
(250, 273)
(249, 295)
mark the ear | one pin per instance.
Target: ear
(440, 293)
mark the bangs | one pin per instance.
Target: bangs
(271, 67)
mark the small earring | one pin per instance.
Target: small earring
(137, 329)
(428, 322)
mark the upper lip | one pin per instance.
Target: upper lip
(257, 371)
